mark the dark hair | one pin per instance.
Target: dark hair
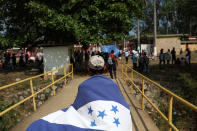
(161, 51)
(112, 51)
(96, 72)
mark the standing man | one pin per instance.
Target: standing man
(188, 53)
(168, 56)
(146, 63)
(162, 58)
(26, 58)
(14, 60)
(112, 61)
(126, 56)
(87, 55)
(134, 59)
(173, 52)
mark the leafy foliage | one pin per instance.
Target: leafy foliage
(189, 88)
(9, 119)
(65, 21)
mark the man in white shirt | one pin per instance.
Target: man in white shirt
(126, 56)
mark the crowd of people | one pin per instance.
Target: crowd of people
(80, 60)
(10, 61)
(140, 60)
(171, 56)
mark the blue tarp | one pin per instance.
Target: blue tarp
(109, 48)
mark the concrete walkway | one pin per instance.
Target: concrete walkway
(62, 99)
(141, 120)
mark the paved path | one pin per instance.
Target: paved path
(65, 97)
(62, 99)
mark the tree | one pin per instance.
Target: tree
(173, 16)
(87, 21)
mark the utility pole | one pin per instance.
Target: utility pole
(138, 36)
(124, 44)
(155, 29)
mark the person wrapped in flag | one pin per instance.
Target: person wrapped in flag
(99, 106)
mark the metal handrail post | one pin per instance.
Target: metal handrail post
(52, 77)
(142, 93)
(125, 73)
(72, 72)
(170, 112)
(122, 71)
(65, 76)
(131, 74)
(32, 92)
(131, 81)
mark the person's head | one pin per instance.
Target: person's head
(168, 50)
(96, 65)
(144, 53)
(173, 48)
(112, 51)
(161, 51)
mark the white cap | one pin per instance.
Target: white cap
(96, 62)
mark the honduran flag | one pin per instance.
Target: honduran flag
(99, 105)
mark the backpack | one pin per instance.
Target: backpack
(146, 60)
(110, 61)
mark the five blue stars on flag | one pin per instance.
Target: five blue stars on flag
(102, 115)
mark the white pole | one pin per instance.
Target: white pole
(155, 29)
(124, 44)
(138, 36)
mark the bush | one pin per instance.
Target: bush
(9, 119)
(188, 88)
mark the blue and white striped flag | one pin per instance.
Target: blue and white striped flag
(99, 105)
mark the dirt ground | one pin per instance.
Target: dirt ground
(9, 76)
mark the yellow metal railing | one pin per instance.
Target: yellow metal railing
(52, 72)
(168, 119)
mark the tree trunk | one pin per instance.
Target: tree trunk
(190, 26)
(167, 24)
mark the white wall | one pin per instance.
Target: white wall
(146, 48)
(55, 57)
